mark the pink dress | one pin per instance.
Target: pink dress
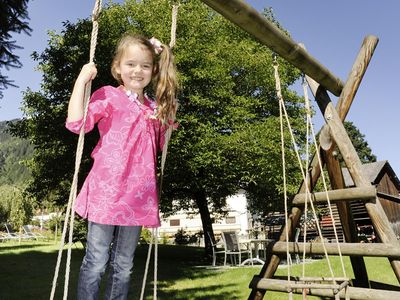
(121, 188)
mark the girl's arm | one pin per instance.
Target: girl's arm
(75, 106)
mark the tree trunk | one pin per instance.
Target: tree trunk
(202, 204)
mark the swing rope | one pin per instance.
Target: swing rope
(168, 134)
(308, 113)
(283, 109)
(78, 159)
(306, 99)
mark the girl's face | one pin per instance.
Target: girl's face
(136, 68)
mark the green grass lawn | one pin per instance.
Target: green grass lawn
(26, 272)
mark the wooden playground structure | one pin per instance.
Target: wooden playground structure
(321, 80)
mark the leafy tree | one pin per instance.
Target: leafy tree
(14, 207)
(21, 209)
(13, 16)
(228, 136)
(7, 193)
(360, 143)
(14, 152)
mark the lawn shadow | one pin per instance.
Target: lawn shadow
(177, 263)
(29, 275)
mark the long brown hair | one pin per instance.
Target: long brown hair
(164, 74)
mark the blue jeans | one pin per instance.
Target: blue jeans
(113, 245)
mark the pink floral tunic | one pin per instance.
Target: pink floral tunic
(121, 188)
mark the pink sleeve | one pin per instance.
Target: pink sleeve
(98, 109)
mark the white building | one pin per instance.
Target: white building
(237, 219)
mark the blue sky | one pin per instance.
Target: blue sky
(332, 32)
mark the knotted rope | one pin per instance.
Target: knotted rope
(72, 196)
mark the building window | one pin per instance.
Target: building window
(174, 222)
(230, 220)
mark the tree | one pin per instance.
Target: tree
(227, 137)
(14, 206)
(14, 152)
(21, 209)
(7, 193)
(13, 16)
(359, 143)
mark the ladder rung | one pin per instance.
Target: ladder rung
(352, 292)
(348, 249)
(357, 193)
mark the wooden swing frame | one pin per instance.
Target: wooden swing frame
(321, 80)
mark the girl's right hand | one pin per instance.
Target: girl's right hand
(75, 106)
(88, 73)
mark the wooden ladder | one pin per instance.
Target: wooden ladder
(361, 287)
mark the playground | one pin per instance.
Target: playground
(331, 177)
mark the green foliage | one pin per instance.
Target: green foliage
(21, 210)
(359, 143)
(6, 199)
(13, 16)
(146, 235)
(14, 156)
(183, 238)
(14, 207)
(55, 223)
(80, 231)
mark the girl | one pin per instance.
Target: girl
(119, 195)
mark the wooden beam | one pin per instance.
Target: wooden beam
(388, 197)
(353, 81)
(353, 293)
(332, 164)
(356, 75)
(363, 193)
(251, 21)
(347, 249)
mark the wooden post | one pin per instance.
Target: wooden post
(250, 20)
(346, 218)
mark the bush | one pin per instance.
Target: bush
(80, 231)
(146, 235)
(183, 238)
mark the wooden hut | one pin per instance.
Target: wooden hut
(387, 184)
